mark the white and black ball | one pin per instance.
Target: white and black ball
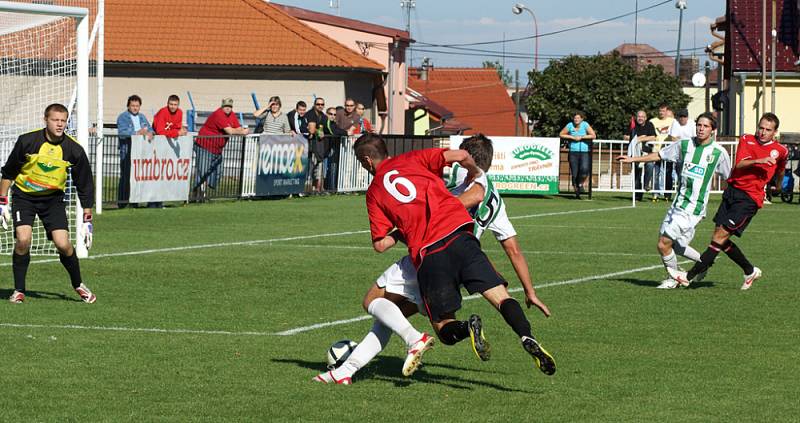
(339, 351)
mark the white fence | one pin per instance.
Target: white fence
(609, 175)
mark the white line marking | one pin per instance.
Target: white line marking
(569, 212)
(488, 250)
(124, 329)
(301, 329)
(295, 331)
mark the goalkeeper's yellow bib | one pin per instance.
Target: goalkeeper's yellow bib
(45, 172)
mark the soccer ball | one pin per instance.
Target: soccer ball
(339, 351)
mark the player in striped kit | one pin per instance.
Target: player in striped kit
(396, 295)
(698, 159)
(758, 158)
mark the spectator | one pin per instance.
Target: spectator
(347, 119)
(683, 128)
(363, 124)
(316, 118)
(580, 134)
(298, 123)
(210, 141)
(662, 124)
(331, 127)
(643, 132)
(275, 122)
(129, 123)
(169, 120)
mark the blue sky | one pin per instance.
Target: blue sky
(469, 21)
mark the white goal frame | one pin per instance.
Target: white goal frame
(82, 84)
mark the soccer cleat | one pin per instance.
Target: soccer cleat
(480, 345)
(749, 279)
(86, 295)
(328, 379)
(544, 361)
(700, 276)
(17, 297)
(414, 357)
(679, 275)
(668, 283)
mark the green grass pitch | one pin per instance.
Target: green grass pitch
(190, 301)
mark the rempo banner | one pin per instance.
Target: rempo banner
(282, 165)
(160, 168)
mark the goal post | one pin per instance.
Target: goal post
(44, 59)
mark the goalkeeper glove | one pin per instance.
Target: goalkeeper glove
(88, 229)
(5, 212)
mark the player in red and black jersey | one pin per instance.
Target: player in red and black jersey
(38, 167)
(408, 201)
(758, 158)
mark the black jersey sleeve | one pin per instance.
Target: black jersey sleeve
(15, 160)
(82, 176)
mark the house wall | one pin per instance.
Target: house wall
(698, 103)
(209, 86)
(379, 53)
(787, 97)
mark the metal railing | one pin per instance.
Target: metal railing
(341, 172)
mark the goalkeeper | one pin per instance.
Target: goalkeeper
(38, 166)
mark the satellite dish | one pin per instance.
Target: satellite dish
(699, 79)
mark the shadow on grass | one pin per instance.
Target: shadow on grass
(387, 369)
(653, 284)
(5, 293)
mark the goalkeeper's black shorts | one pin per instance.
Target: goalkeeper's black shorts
(51, 209)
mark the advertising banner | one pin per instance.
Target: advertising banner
(522, 165)
(282, 165)
(160, 168)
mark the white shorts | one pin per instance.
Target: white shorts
(401, 279)
(679, 226)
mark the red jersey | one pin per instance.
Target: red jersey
(753, 179)
(409, 193)
(166, 123)
(214, 125)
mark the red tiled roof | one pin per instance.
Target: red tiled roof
(324, 18)
(219, 32)
(743, 37)
(476, 96)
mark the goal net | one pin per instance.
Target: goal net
(40, 65)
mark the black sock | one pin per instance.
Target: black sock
(454, 332)
(73, 268)
(515, 317)
(738, 257)
(706, 260)
(19, 265)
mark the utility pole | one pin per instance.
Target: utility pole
(763, 56)
(772, 58)
(708, 87)
(408, 5)
(680, 5)
(636, 23)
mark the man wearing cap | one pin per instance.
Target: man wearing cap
(208, 146)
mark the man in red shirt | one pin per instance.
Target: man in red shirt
(208, 148)
(757, 160)
(408, 201)
(169, 120)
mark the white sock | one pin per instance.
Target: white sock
(670, 261)
(372, 344)
(390, 315)
(690, 253)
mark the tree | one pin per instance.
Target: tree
(606, 88)
(505, 74)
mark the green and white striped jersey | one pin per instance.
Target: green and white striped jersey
(697, 165)
(491, 212)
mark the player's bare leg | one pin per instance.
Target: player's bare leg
(68, 258)
(20, 259)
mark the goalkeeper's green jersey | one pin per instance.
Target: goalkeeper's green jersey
(696, 165)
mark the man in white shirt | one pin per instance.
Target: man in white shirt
(682, 128)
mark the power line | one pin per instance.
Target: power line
(546, 56)
(546, 34)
